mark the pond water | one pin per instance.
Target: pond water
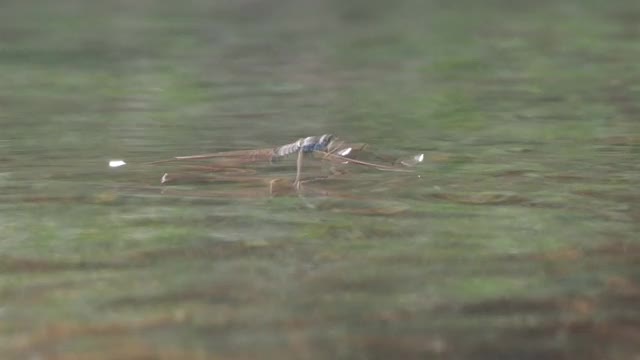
(516, 238)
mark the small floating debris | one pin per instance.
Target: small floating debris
(116, 163)
(345, 152)
(413, 161)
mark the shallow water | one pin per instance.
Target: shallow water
(516, 238)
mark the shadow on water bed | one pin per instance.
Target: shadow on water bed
(516, 239)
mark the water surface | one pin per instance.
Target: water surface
(516, 238)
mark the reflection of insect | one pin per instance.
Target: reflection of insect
(328, 146)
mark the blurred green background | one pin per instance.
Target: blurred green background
(516, 239)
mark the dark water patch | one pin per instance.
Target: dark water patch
(373, 283)
(10, 264)
(617, 251)
(609, 254)
(511, 306)
(235, 293)
(567, 339)
(621, 140)
(363, 232)
(34, 292)
(483, 198)
(623, 286)
(368, 211)
(92, 55)
(515, 173)
(406, 259)
(612, 195)
(621, 95)
(567, 177)
(576, 327)
(227, 250)
(399, 346)
(627, 303)
(512, 351)
(52, 336)
(55, 199)
(123, 347)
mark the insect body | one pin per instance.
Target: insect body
(327, 145)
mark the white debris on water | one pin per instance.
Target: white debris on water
(413, 161)
(116, 163)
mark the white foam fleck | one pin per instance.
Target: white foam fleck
(116, 163)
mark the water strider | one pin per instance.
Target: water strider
(328, 146)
